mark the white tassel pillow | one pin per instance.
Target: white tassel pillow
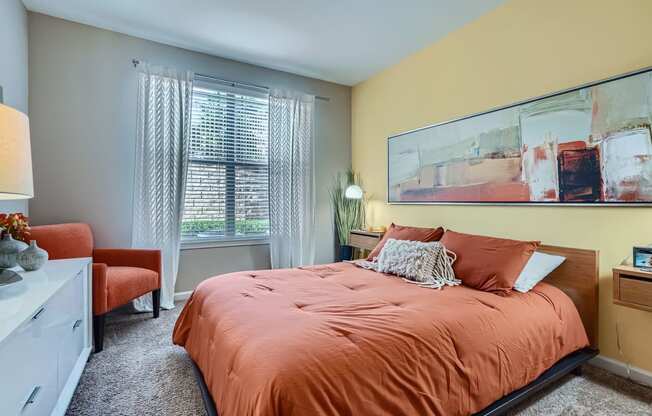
(427, 264)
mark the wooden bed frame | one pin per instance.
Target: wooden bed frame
(578, 278)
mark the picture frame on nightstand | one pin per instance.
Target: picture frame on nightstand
(642, 258)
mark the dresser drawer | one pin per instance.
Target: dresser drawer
(67, 305)
(14, 352)
(72, 346)
(29, 364)
(636, 291)
(42, 397)
(72, 331)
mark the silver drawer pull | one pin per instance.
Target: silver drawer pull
(32, 397)
(37, 314)
(76, 324)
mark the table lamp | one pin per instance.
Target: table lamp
(15, 155)
(15, 165)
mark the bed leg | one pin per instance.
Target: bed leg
(577, 371)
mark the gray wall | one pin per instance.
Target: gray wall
(13, 68)
(83, 114)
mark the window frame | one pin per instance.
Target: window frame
(230, 165)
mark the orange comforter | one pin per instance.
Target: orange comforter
(339, 340)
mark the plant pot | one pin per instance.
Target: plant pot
(346, 252)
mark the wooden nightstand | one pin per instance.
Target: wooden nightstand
(633, 287)
(363, 241)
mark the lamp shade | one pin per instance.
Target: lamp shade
(15, 155)
(353, 192)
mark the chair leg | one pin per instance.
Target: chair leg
(156, 302)
(98, 332)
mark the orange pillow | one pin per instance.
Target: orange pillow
(401, 232)
(488, 263)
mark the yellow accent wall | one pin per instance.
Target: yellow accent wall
(523, 49)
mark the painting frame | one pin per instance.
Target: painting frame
(630, 204)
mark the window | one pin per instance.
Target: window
(227, 181)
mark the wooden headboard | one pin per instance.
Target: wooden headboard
(578, 278)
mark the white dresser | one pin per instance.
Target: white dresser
(45, 337)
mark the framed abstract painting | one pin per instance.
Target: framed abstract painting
(590, 145)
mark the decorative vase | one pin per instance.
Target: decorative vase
(33, 257)
(9, 249)
(346, 252)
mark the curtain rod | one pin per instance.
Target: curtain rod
(137, 62)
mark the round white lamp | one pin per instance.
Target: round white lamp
(353, 192)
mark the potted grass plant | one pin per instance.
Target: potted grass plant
(348, 210)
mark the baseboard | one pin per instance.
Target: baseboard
(619, 368)
(179, 296)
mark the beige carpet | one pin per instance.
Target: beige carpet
(141, 373)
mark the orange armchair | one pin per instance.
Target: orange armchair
(119, 275)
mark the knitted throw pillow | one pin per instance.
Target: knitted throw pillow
(425, 264)
(411, 259)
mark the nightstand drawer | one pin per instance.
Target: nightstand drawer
(636, 291)
(362, 241)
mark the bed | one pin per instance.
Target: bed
(337, 339)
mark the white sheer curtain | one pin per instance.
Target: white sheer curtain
(164, 99)
(291, 179)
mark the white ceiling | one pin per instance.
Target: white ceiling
(344, 41)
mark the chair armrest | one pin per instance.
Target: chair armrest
(100, 292)
(128, 257)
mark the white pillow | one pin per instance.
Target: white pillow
(537, 268)
(426, 264)
(412, 259)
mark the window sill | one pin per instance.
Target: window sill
(200, 243)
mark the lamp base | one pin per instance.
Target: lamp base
(8, 277)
